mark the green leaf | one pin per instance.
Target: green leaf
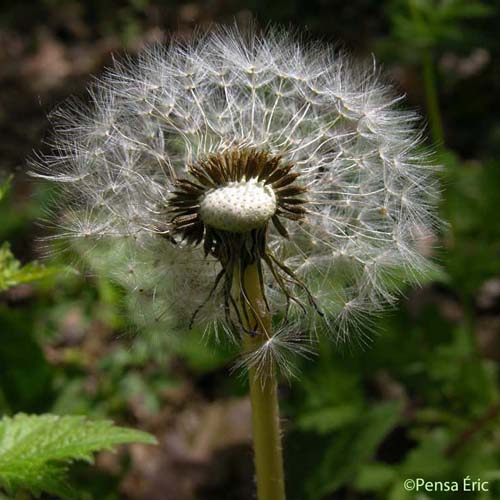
(351, 448)
(429, 459)
(375, 476)
(13, 274)
(36, 450)
(328, 419)
(5, 187)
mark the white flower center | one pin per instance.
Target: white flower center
(238, 207)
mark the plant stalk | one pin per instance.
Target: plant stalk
(268, 455)
(429, 74)
(431, 95)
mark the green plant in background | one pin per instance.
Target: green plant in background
(11, 271)
(4, 187)
(420, 30)
(13, 274)
(418, 403)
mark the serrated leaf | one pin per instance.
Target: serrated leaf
(36, 450)
(13, 274)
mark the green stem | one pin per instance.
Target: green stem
(264, 396)
(431, 96)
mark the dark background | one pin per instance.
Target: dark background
(421, 401)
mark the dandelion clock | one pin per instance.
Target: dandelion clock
(264, 189)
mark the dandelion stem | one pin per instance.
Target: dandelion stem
(264, 396)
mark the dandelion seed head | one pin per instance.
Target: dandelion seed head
(241, 147)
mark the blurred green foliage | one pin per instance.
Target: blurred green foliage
(419, 25)
(437, 388)
(470, 207)
(422, 400)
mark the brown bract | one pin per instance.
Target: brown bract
(217, 171)
(237, 250)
